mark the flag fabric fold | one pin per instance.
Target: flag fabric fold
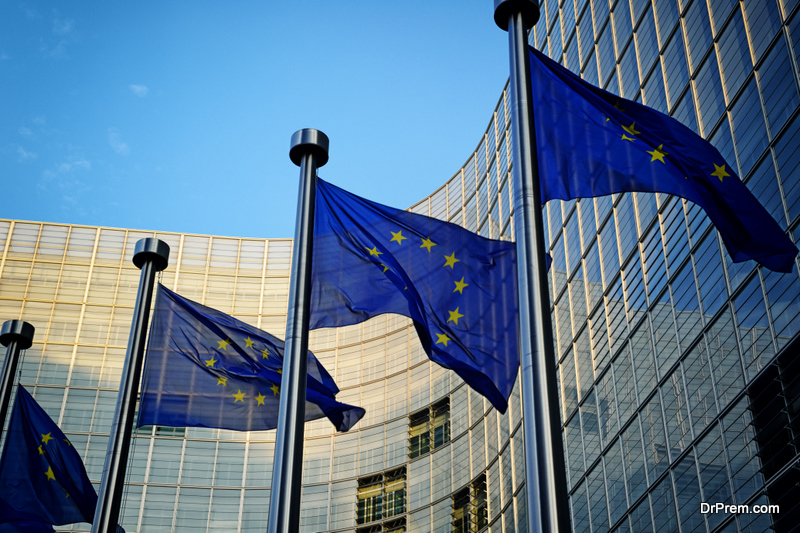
(42, 477)
(204, 368)
(593, 143)
(459, 288)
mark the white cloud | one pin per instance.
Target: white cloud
(139, 90)
(63, 26)
(39, 120)
(116, 142)
(69, 166)
(25, 155)
(25, 132)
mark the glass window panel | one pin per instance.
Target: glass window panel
(654, 93)
(663, 502)
(198, 462)
(52, 242)
(596, 491)
(734, 56)
(81, 244)
(787, 152)
(698, 32)
(778, 87)
(55, 364)
(591, 430)
(15, 279)
(580, 508)
(687, 490)
(749, 129)
(699, 387)
(23, 240)
(79, 409)
(710, 281)
(159, 506)
(634, 461)
(224, 513)
(710, 98)
(676, 413)
(623, 27)
(676, 73)
(166, 461)
(763, 183)
(763, 22)
(606, 58)
(784, 305)
(230, 462)
(192, 514)
(646, 42)
(629, 74)
(684, 113)
(642, 353)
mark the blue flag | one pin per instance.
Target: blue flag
(460, 289)
(42, 477)
(593, 143)
(207, 369)
(26, 527)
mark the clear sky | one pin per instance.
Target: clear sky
(177, 116)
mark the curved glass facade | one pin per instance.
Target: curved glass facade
(676, 366)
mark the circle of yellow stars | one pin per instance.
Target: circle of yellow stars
(240, 396)
(658, 154)
(449, 261)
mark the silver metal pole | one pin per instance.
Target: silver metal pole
(15, 335)
(309, 150)
(151, 256)
(546, 484)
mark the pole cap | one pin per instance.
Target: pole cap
(151, 249)
(503, 9)
(306, 141)
(17, 330)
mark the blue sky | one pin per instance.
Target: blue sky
(177, 116)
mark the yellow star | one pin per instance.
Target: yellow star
(46, 438)
(443, 338)
(50, 475)
(68, 442)
(720, 172)
(397, 237)
(223, 345)
(248, 342)
(222, 381)
(279, 371)
(626, 138)
(239, 396)
(385, 268)
(428, 244)
(454, 316)
(631, 129)
(260, 399)
(66, 494)
(374, 251)
(210, 362)
(275, 390)
(41, 451)
(460, 286)
(657, 154)
(450, 260)
(264, 354)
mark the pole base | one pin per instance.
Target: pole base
(17, 330)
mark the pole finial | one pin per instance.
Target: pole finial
(309, 140)
(505, 8)
(17, 330)
(151, 249)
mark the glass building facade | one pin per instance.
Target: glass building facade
(677, 368)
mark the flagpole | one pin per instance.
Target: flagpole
(309, 150)
(151, 256)
(546, 484)
(15, 335)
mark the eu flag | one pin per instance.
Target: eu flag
(204, 368)
(593, 143)
(42, 477)
(459, 288)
